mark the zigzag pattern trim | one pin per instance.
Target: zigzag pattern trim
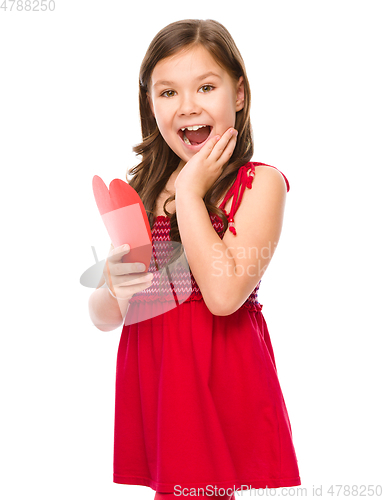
(182, 281)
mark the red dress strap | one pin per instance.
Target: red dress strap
(244, 179)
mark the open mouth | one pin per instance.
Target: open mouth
(196, 136)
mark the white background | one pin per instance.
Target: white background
(69, 111)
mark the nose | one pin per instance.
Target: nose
(188, 105)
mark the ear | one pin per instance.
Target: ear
(240, 94)
(150, 104)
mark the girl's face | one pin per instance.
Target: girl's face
(188, 89)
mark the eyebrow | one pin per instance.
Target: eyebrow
(201, 77)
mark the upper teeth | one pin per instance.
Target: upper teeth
(195, 127)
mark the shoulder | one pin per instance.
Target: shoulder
(270, 177)
(268, 188)
(264, 198)
(263, 201)
(258, 223)
(265, 186)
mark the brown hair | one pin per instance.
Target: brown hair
(158, 159)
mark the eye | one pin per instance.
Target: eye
(167, 92)
(205, 86)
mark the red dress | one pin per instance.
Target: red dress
(198, 400)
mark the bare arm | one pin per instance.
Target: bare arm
(106, 312)
(228, 270)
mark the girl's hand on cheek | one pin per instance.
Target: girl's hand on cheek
(206, 166)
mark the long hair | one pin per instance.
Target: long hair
(159, 161)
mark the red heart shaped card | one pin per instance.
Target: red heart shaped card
(125, 218)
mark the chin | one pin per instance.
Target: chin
(182, 155)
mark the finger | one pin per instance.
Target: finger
(109, 279)
(224, 147)
(208, 146)
(125, 293)
(126, 288)
(121, 268)
(125, 281)
(224, 139)
(118, 253)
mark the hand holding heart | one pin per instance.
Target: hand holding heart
(206, 166)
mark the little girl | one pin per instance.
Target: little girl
(199, 408)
